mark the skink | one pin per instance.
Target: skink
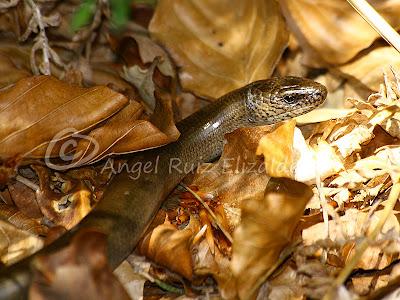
(129, 203)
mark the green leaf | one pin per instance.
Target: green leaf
(120, 12)
(83, 15)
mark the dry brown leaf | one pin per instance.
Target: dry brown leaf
(148, 51)
(166, 239)
(291, 62)
(78, 271)
(364, 285)
(267, 227)
(16, 244)
(96, 73)
(146, 64)
(142, 79)
(368, 69)
(126, 133)
(54, 123)
(227, 49)
(14, 63)
(381, 138)
(8, 170)
(14, 216)
(188, 104)
(37, 109)
(9, 21)
(333, 30)
(24, 199)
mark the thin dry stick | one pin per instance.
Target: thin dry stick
(42, 42)
(28, 183)
(8, 4)
(377, 22)
(213, 216)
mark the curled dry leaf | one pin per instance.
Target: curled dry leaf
(166, 239)
(37, 109)
(103, 72)
(228, 50)
(283, 286)
(142, 79)
(320, 160)
(351, 142)
(78, 271)
(278, 151)
(148, 51)
(59, 114)
(332, 30)
(24, 199)
(380, 138)
(126, 133)
(147, 65)
(286, 153)
(267, 227)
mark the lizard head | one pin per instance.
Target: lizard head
(278, 99)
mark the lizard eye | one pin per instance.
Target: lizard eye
(289, 98)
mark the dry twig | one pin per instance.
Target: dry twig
(377, 22)
(38, 23)
(213, 216)
(8, 4)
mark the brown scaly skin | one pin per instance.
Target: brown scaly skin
(129, 204)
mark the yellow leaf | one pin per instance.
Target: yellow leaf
(267, 227)
(368, 68)
(166, 239)
(277, 148)
(331, 29)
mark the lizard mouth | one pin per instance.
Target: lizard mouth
(297, 112)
